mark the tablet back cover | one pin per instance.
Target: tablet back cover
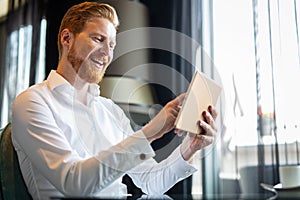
(201, 93)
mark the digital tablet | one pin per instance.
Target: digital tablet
(201, 93)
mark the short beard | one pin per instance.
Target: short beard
(84, 69)
(90, 73)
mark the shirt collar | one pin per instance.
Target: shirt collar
(55, 80)
(94, 89)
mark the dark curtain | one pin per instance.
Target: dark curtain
(178, 16)
(20, 40)
(54, 15)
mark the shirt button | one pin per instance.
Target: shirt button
(142, 156)
(187, 171)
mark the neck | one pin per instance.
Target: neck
(66, 70)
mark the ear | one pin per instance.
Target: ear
(66, 36)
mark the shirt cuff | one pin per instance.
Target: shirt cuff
(132, 151)
(138, 144)
(181, 167)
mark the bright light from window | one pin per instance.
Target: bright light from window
(235, 61)
(40, 68)
(235, 57)
(18, 63)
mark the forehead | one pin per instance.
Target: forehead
(101, 26)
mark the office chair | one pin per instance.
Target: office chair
(12, 184)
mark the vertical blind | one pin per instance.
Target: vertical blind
(22, 58)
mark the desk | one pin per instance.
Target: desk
(194, 197)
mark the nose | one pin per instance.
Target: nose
(105, 49)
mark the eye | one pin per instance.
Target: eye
(98, 39)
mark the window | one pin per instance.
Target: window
(18, 61)
(257, 67)
(279, 71)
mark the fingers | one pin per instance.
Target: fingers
(199, 141)
(209, 125)
(179, 99)
(209, 118)
(204, 139)
(194, 142)
(174, 111)
(209, 129)
(174, 106)
(213, 112)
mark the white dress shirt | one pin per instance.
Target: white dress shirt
(66, 148)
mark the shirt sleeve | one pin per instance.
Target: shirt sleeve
(156, 178)
(36, 134)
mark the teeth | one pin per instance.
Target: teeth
(97, 61)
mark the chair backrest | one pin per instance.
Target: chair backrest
(11, 180)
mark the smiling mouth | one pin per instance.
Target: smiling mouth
(99, 63)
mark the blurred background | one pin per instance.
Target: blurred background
(250, 47)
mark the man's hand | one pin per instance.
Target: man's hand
(194, 142)
(164, 121)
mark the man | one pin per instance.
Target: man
(72, 142)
